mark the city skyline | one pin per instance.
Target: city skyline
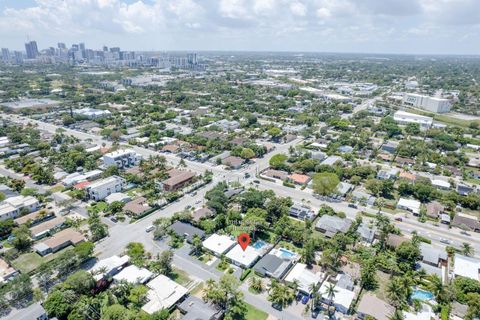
(397, 27)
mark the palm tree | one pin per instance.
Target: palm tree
(467, 249)
(435, 286)
(314, 301)
(280, 294)
(397, 315)
(395, 293)
(256, 284)
(331, 291)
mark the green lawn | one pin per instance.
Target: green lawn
(180, 276)
(255, 314)
(28, 262)
(57, 188)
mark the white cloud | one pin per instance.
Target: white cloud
(255, 24)
(298, 9)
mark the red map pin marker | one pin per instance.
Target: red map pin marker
(243, 240)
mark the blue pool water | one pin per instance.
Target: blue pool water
(259, 244)
(286, 253)
(421, 295)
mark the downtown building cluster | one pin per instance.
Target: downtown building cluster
(113, 56)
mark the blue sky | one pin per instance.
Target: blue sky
(377, 26)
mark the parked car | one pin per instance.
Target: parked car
(305, 299)
(256, 181)
(149, 228)
(114, 219)
(352, 205)
(399, 219)
(446, 241)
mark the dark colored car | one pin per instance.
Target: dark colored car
(305, 299)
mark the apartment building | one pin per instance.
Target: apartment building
(124, 158)
(100, 189)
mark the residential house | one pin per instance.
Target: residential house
(276, 174)
(117, 197)
(273, 266)
(177, 179)
(14, 206)
(193, 308)
(133, 274)
(109, 267)
(303, 277)
(301, 212)
(163, 293)
(243, 258)
(434, 209)
(466, 267)
(332, 160)
(299, 179)
(466, 222)
(331, 225)
(367, 233)
(137, 206)
(233, 162)
(48, 227)
(34, 311)
(371, 306)
(187, 231)
(60, 240)
(342, 299)
(7, 272)
(219, 244)
(198, 214)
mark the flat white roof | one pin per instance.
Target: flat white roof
(103, 182)
(163, 294)
(343, 297)
(218, 243)
(441, 183)
(245, 258)
(409, 203)
(133, 274)
(109, 263)
(466, 267)
(120, 152)
(304, 277)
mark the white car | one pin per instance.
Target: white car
(149, 228)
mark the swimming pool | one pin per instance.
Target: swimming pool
(287, 254)
(421, 295)
(259, 244)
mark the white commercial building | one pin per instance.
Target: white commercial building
(218, 244)
(91, 113)
(163, 294)
(303, 277)
(405, 118)
(409, 205)
(432, 104)
(12, 207)
(123, 158)
(100, 189)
